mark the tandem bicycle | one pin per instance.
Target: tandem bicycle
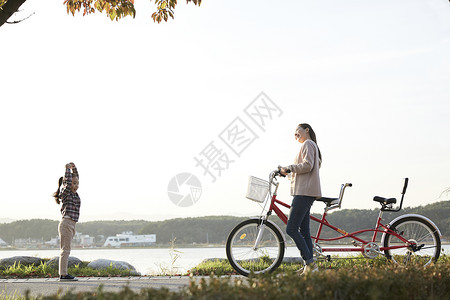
(257, 245)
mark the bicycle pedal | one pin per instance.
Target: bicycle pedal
(356, 244)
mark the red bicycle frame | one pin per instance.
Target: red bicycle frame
(380, 228)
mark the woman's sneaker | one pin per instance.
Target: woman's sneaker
(67, 277)
(311, 268)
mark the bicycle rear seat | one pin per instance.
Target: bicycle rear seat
(329, 201)
(385, 201)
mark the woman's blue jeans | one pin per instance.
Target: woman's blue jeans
(299, 219)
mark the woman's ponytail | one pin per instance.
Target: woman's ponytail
(56, 194)
(312, 134)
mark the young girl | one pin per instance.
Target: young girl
(70, 211)
(305, 187)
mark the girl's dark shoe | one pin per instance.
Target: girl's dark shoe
(67, 277)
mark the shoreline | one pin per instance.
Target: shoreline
(162, 246)
(165, 246)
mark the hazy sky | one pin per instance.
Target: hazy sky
(134, 103)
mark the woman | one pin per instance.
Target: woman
(305, 187)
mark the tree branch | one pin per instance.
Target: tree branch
(15, 22)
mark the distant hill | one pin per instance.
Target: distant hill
(6, 220)
(213, 229)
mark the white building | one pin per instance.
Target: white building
(128, 239)
(54, 242)
(86, 241)
(3, 243)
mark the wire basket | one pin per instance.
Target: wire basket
(257, 189)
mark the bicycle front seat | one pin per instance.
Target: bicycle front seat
(329, 201)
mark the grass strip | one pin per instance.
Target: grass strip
(360, 281)
(44, 271)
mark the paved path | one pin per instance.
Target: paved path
(51, 286)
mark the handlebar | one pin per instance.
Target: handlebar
(405, 185)
(273, 180)
(278, 172)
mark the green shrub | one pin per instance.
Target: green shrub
(373, 282)
(223, 267)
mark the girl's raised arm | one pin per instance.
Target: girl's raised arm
(74, 170)
(67, 181)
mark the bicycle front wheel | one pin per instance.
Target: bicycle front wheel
(424, 243)
(245, 256)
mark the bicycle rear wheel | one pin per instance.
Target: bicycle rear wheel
(242, 254)
(424, 244)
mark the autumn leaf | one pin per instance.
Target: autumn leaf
(117, 9)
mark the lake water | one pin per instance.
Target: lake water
(149, 261)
